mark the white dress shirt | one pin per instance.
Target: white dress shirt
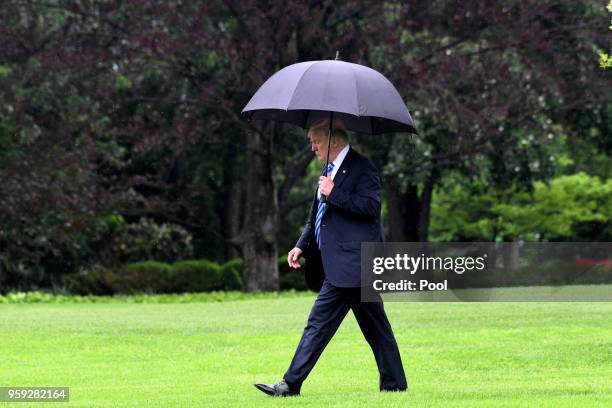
(337, 163)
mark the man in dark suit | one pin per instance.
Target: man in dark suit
(331, 244)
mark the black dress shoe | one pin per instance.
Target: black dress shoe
(393, 389)
(280, 389)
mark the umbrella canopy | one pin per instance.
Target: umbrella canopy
(305, 92)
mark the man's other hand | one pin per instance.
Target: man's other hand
(293, 258)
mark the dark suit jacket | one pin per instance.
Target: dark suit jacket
(352, 216)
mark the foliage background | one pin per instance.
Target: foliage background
(121, 138)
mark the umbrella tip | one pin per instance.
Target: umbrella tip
(337, 55)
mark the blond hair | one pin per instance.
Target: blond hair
(322, 125)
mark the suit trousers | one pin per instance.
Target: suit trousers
(330, 308)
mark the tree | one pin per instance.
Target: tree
(134, 108)
(159, 78)
(490, 86)
(558, 210)
(605, 61)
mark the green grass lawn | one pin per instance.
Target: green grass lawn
(210, 354)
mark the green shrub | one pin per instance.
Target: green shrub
(40, 257)
(231, 274)
(198, 275)
(94, 280)
(146, 276)
(290, 278)
(148, 240)
(231, 296)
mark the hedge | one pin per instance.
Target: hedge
(197, 275)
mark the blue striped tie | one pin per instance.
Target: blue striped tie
(321, 210)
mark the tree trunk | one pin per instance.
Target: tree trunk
(408, 214)
(425, 205)
(231, 228)
(403, 212)
(258, 236)
(395, 233)
(511, 254)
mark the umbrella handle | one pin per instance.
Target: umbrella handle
(329, 136)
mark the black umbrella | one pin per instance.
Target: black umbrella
(305, 92)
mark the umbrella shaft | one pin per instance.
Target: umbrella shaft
(329, 136)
